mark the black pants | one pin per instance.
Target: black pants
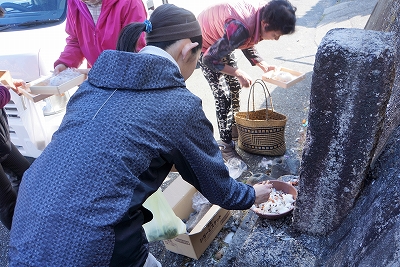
(17, 164)
(131, 247)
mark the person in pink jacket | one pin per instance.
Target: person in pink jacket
(93, 26)
(237, 24)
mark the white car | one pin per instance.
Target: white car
(33, 36)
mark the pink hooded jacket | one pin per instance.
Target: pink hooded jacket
(87, 40)
(212, 21)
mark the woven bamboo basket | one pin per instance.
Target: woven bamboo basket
(261, 131)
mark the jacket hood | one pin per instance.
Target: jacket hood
(134, 71)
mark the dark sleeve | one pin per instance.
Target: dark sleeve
(252, 55)
(4, 96)
(235, 35)
(201, 164)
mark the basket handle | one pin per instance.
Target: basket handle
(251, 93)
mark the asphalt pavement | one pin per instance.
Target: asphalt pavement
(296, 51)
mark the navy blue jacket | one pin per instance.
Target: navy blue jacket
(80, 202)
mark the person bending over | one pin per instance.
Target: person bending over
(237, 25)
(80, 203)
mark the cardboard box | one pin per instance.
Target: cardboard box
(41, 86)
(298, 76)
(179, 196)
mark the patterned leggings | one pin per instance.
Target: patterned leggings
(226, 91)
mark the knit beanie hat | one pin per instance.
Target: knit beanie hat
(171, 32)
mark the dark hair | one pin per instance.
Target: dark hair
(163, 16)
(2, 12)
(280, 16)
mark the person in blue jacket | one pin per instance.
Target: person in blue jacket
(80, 202)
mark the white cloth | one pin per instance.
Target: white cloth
(95, 11)
(152, 261)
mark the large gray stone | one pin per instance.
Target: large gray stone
(385, 17)
(370, 235)
(351, 87)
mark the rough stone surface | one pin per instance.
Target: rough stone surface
(351, 86)
(284, 166)
(370, 235)
(283, 248)
(385, 17)
(237, 242)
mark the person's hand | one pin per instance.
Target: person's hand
(59, 68)
(17, 87)
(263, 190)
(244, 78)
(265, 67)
(84, 71)
(19, 83)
